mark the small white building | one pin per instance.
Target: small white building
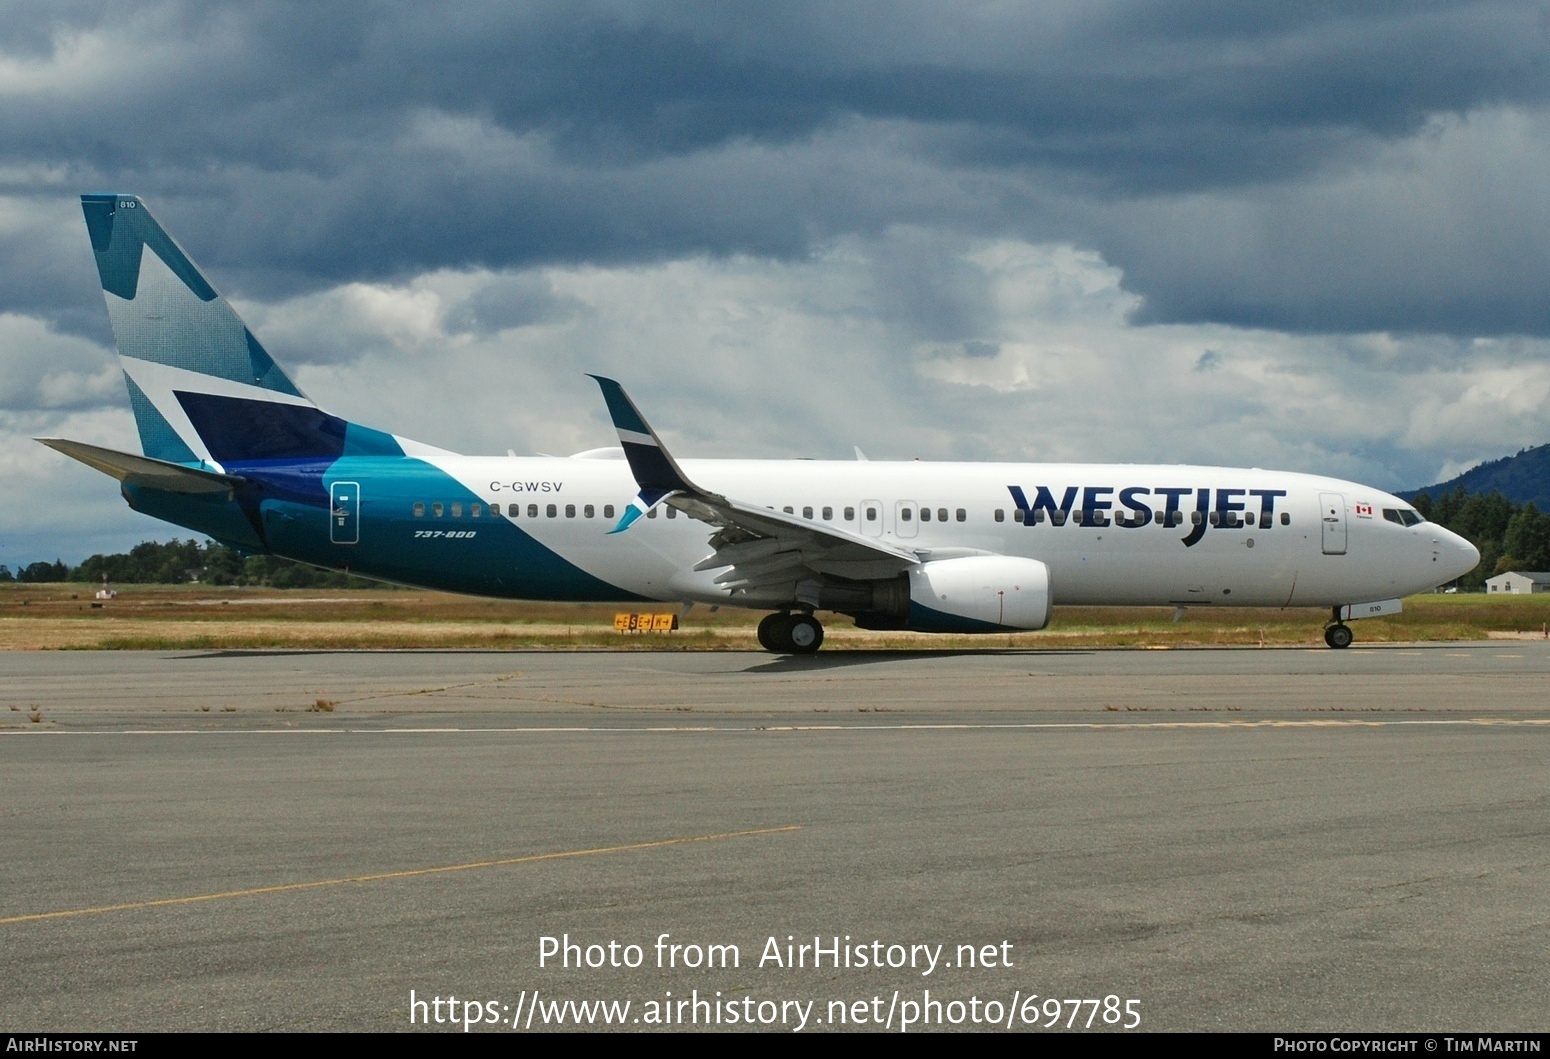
(1519, 582)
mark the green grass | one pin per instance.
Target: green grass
(199, 617)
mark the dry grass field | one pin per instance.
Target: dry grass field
(66, 617)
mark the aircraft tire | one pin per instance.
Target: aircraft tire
(775, 633)
(804, 634)
(1339, 636)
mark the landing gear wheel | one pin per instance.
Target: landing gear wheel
(775, 634)
(1338, 636)
(804, 633)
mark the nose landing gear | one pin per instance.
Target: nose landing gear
(790, 634)
(1337, 634)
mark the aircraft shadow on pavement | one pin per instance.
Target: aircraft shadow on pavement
(843, 659)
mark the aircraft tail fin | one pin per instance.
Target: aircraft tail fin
(202, 388)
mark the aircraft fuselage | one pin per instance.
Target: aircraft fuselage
(1117, 534)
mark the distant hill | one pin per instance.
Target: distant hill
(1519, 478)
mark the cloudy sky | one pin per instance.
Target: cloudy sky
(1311, 236)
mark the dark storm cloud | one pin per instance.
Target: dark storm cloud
(519, 300)
(301, 86)
(293, 145)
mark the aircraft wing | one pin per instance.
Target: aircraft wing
(759, 545)
(145, 471)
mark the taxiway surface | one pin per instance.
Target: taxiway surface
(1233, 839)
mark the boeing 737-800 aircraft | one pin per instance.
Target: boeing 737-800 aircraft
(235, 451)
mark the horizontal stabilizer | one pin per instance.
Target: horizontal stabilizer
(144, 471)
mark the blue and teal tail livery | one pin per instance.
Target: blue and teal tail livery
(203, 390)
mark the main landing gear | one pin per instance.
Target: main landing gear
(790, 634)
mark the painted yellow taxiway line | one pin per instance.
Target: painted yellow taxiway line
(382, 876)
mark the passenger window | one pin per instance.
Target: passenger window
(608, 511)
(436, 510)
(1018, 515)
(419, 510)
(871, 514)
(828, 514)
(570, 510)
(1264, 520)
(672, 512)
(1216, 519)
(904, 514)
(587, 511)
(457, 510)
(850, 514)
(807, 512)
(787, 510)
(1056, 518)
(652, 513)
(1001, 515)
(1286, 519)
(1195, 519)
(925, 514)
(475, 510)
(532, 511)
(551, 511)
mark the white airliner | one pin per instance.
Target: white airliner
(235, 451)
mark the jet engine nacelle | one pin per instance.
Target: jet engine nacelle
(978, 593)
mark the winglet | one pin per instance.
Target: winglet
(655, 470)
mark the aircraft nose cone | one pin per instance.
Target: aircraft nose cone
(1466, 555)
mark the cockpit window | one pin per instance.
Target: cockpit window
(1403, 516)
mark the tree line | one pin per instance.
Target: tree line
(178, 562)
(1510, 536)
